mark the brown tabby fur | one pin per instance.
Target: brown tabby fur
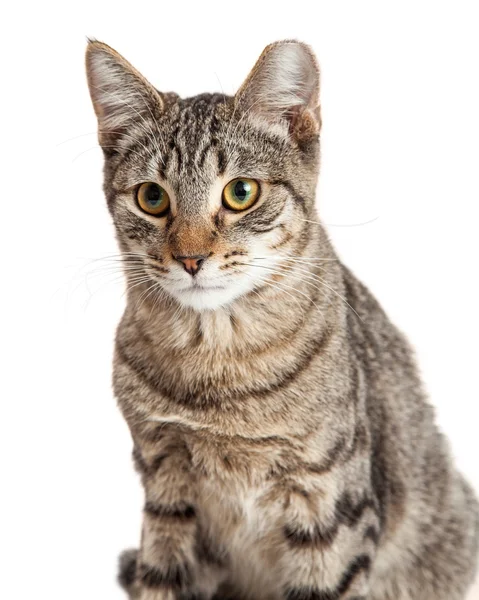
(282, 435)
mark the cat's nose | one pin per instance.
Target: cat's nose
(191, 264)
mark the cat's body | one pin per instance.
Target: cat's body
(284, 442)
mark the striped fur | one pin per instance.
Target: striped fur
(283, 439)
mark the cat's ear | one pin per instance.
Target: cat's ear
(120, 94)
(284, 87)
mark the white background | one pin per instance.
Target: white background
(400, 145)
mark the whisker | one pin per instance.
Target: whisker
(98, 147)
(294, 263)
(116, 268)
(301, 264)
(159, 294)
(281, 283)
(123, 134)
(139, 299)
(293, 268)
(127, 257)
(146, 294)
(117, 264)
(76, 137)
(119, 278)
(272, 285)
(309, 275)
(293, 257)
(342, 224)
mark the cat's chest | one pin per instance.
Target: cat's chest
(236, 477)
(240, 506)
(228, 459)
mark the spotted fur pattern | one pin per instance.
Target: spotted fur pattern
(284, 442)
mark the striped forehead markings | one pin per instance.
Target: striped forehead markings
(196, 134)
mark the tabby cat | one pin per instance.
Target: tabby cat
(280, 429)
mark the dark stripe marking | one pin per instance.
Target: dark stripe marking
(235, 263)
(127, 568)
(206, 552)
(361, 563)
(288, 236)
(372, 534)
(306, 538)
(262, 220)
(297, 197)
(182, 512)
(346, 513)
(158, 268)
(235, 253)
(333, 456)
(146, 374)
(222, 162)
(266, 229)
(175, 576)
(203, 153)
(143, 467)
(193, 596)
(179, 158)
(349, 513)
(157, 462)
(139, 461)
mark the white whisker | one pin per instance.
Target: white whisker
(281, 283)
(307, 274)
(342, 224)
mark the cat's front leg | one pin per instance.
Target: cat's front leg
(329, 550)
(170, 563)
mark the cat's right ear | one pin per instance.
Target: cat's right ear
(120, 94)
(283, 88)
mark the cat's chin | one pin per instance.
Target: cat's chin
(209, 298)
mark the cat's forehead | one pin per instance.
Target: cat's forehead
(198, 116)
(208, 128)
(191, 130)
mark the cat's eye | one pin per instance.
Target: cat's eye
(241, 194)
(153, 199)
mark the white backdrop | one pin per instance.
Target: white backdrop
(400, 147)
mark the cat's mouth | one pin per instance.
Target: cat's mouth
(204, 288)
(203, 293)
(196, 286)
(201, 296)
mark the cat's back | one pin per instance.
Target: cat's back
(429, 512)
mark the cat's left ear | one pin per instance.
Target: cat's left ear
(284, 87)
(121, 96)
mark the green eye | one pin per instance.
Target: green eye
(241, 194)
(153, 199)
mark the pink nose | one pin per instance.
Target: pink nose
(191, 264)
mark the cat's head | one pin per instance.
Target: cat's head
(210, 195)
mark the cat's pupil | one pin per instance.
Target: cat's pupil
(154, 195)
(242, 190)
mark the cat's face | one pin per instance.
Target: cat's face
(211, 195)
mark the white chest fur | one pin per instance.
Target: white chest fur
(239, 520)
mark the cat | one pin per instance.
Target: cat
(281, 432)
